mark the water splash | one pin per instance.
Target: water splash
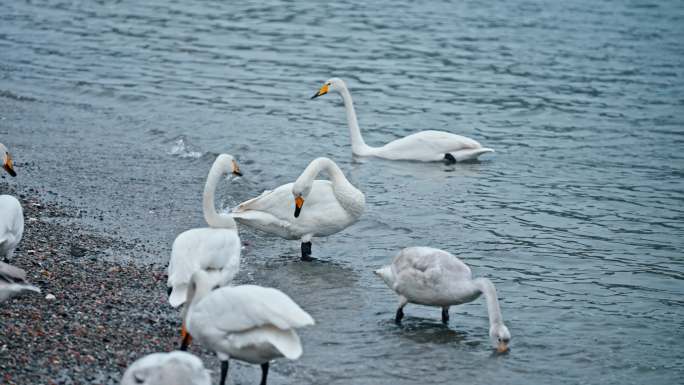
(184, 149)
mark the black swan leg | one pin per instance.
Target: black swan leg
(306, 251)
(264, 373)
(224, 372)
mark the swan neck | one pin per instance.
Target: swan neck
(359, 146)
(324, 164)
(213, 218)
(346, 194)
(194, 295)
(489, 291)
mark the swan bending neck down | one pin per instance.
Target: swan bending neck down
(249, 323)
(433, 277)
(425, 146)
(173, 368)
(321, 207)
(215, 249)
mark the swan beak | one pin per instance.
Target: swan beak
(187, 338)
(321, 92)
(299, 202)
(236, 169)
(502, 347)
(7, 165)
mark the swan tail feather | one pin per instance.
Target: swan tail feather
(469, 154)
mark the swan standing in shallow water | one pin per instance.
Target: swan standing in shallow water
(11, 213)
(249, 323)
(174, 368)
(433, 277)
(215, 249)
(424, 146)
(13, 282)
(321, 207)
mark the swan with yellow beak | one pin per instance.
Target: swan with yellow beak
(321, 207)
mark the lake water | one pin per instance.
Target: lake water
(119, 107)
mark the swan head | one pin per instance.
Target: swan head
(500, 337)
(225, 162)
(7, 160)
(300, 191)
(332, 84)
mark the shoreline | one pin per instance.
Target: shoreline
(101, 319)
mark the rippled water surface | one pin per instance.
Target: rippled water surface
(121, 106)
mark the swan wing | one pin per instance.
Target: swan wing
(276, 202)
(13, 281)
(240, 308)
(287, 342)
(428, 145)
(426, 268)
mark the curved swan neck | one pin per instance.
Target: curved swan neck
(359, 147)
(348, 196)
(213, 218)
(320, 164)
(487, 288)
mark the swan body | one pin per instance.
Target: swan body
(11, 225)
(214, 249)
(249, 323)
(11, 213)
(174, 368)
(13, 282)
(321, 207)
(424, 146)
(433, 277)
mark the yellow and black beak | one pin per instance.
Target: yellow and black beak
(299, 202)
(502, 347)
(321, 92)
(236, 169)
(8, 166)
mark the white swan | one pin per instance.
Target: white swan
(249, 323)
(215, 249)
(331, 206)
(13, 282)
(433, 277)
(174, 368)
(11, 213)
(424, 146)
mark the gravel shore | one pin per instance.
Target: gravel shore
(104, 316)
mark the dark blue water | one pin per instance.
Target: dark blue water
(120, 107)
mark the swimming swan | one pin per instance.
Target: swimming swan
(11, 213)
(173, 368)
(321, 207)
(433, 277)
(424, 146)
(215, 249)
(249, 323)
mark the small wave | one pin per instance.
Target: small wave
(182, 148)
(12, 95)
